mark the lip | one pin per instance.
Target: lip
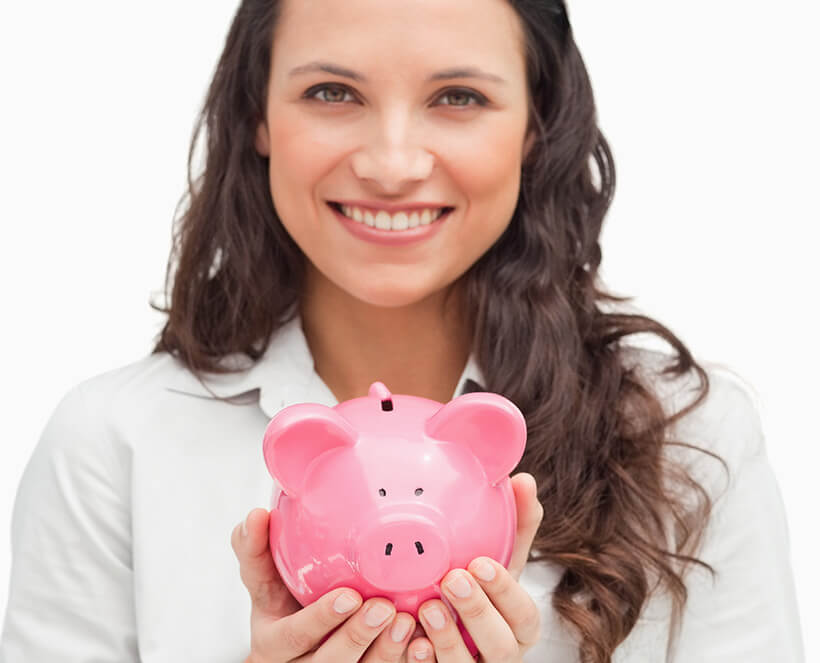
(390, 237)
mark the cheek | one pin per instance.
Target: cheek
(300, 158)
(487, 165)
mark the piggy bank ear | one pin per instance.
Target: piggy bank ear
(299, 434)
(490, 425)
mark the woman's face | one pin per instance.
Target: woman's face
(396, 130)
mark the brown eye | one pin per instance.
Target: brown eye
(335, 93)
(457, 96)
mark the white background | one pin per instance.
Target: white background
(710, 108)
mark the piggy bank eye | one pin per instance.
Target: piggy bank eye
(419, 491)
(382, 492)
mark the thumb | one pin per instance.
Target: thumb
(529, 512)
(251, 545)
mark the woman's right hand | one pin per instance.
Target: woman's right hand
(283, 631)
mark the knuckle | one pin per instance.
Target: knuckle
(328, 618)
(258, 592)
(504, 586)
(449, 646)
(255, 594)
(504, 651)
(388, 651)
(294, 639)
(243, 575)
(358, 637)
(531, 621)
(508, 653)
(476, 610)
(529, 629)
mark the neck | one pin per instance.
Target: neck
(419, 349)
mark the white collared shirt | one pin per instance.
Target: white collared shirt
(122, 522)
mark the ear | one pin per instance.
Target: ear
(262, 140)
(297, 436)
(491, 426)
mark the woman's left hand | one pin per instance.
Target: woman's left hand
(499, 614)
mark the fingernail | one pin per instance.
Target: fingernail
(421, 654)
(344, 603)
(245, 526)
(434, 616)
(458, 586)
(377, 614)
(399, 630)
(484, 570)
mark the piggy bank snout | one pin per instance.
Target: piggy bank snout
(403, 551)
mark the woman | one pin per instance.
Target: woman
(461, 138)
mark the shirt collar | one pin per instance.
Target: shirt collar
(283, 375)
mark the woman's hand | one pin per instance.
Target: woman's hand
(499, 614)
(282, 630)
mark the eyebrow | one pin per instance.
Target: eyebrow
(446, 74)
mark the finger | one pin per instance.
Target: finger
(490, 631)
(511, 601)
(442, 630)
(301, 632)
(392, 641)
(251, 545)
(529, 512)
(419, 649)
(352, 639)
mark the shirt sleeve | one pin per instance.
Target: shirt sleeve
(748, 613)
(70, 590)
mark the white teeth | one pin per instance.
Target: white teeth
(398, 221)
(383, 220)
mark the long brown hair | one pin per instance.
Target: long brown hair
(596, 431)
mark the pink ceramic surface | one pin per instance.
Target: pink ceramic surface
(386, 493)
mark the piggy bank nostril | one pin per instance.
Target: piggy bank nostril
(388, 549)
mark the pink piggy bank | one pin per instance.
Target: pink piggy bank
(386, 493)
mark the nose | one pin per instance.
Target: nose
(408, 552)
(392, 162)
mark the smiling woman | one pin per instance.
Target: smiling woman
(413, 193)
(393, 143)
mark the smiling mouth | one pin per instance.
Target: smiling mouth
(393, 223)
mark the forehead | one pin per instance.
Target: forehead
(393, 36)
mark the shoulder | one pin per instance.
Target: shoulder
(154, 385)
(84, 452)
(142, 379)
(90, 412)
(747, 608)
